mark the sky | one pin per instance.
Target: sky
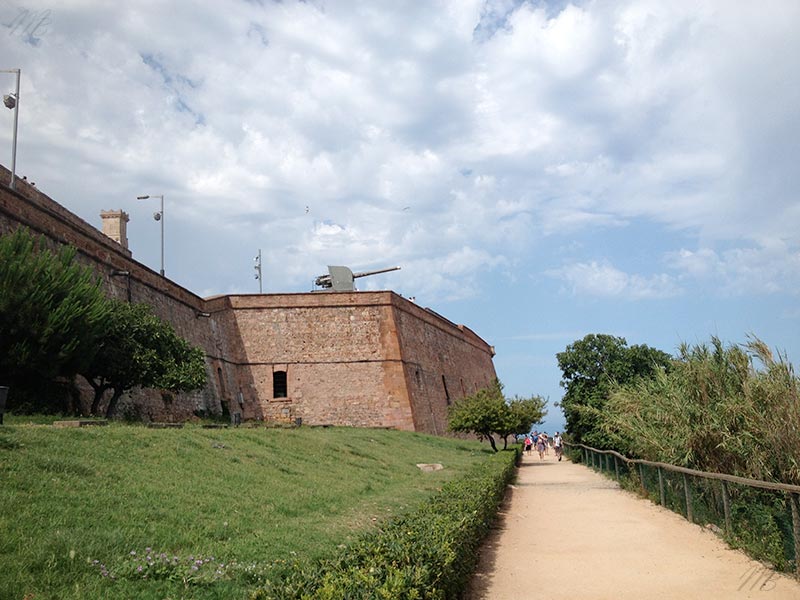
(539, 170)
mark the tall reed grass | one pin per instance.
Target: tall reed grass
(722, 408)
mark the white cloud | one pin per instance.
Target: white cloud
(602, 279)
(455, 276)
(766, 269)
(422, 131)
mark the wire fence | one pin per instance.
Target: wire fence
(761, 517)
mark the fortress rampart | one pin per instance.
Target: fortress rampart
(363, 359)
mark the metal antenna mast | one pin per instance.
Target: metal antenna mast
(257, 267)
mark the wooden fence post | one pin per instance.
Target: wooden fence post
(794, 501)
(661, 487)
(616, 467)
(688, 493)
(641, 477)
(726, 507)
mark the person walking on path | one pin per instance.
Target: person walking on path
(540, 446)
(558, 445)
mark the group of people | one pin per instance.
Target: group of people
(542, 442)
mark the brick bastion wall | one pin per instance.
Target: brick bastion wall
(348, 358)
(341, 358)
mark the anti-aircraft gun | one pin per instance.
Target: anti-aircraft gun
(341, 279)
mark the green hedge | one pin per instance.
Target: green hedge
(429, 553)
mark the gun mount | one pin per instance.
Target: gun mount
(341, 279)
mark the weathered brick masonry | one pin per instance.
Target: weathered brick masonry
(364, 359)
(350, 358)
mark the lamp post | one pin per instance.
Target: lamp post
(159, 216)
(12, 101)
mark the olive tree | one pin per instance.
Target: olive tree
(137, 348)
(523, 414)
(487, 413)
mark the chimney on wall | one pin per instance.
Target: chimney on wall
(115, 226)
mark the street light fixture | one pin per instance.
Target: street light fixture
(127, 275)
(11, 101)
(158, 216)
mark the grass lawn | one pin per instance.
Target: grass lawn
(82, 509)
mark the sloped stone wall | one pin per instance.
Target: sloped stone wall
(443, 362)
(369, 359)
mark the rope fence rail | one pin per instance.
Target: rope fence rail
(752, 513)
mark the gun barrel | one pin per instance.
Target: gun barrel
(367, 273)
(323, 281)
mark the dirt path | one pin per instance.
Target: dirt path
(567, 532)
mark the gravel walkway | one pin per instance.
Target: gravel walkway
(567, 532)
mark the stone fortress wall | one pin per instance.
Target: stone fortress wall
(362, 359)
(123, 278)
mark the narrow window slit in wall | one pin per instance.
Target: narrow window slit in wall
(279, 388)
(221, 382)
